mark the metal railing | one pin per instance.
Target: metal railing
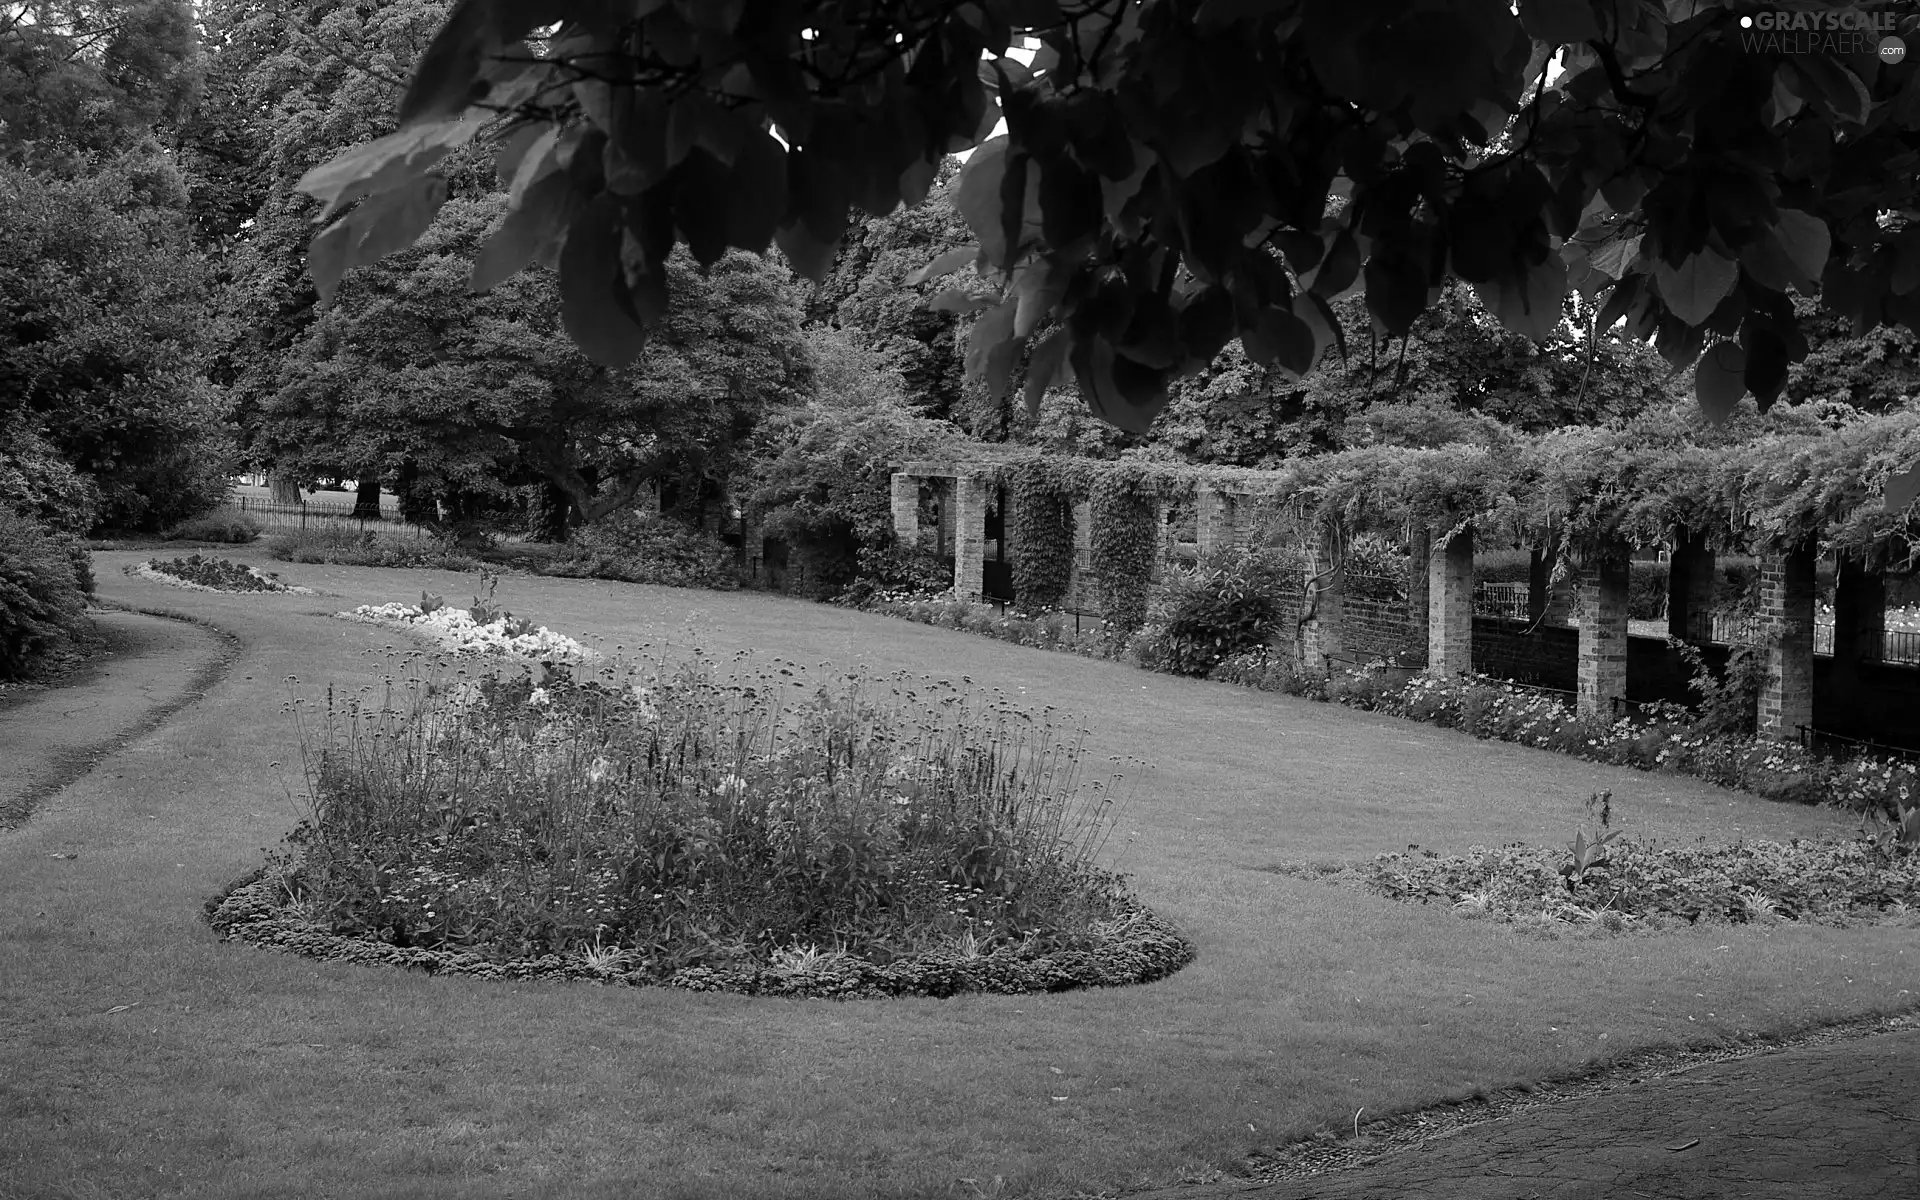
(308, 514)
(1507, 600)
(1896, 645)
(1820, 741)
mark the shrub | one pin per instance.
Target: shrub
(1376, 569)
(1215, 610)
(687, 818)
(36, 482)
(1729, 700)
(634, 547)
(231, 525)
(345, 544)
(42, 606)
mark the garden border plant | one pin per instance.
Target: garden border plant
(200, 573)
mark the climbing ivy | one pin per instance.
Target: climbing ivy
(1041, 528)
(1124, 543)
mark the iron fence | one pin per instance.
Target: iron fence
(309, 514)
(1896, 645)
(1507, 600)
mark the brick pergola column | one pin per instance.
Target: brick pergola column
(1213, 521)
(1419, 550)
(1162, 542)
(1603, 632)
(906, 508)
(1786, 612)
(1326, 588)
(970, 495)
(1450, 606)
(1690, 588)
(1078, 581)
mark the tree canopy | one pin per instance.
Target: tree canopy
(1180, 173)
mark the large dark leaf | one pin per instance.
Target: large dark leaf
(390, 221)
(1696, 287)
(443, 82)
(1719, 380)
(943, 265)
(384, 163)
(1046, 367)
(539, 217)
(977, 197)
(590, 272)
(987, 347)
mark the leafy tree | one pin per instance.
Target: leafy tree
(409, 373)
(84, 80)
(1164, 184)
(822, 472)
(102, 339)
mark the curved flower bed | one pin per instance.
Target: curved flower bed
(200, 574)
(456, 630)
(1643, 886)
(1138, 947)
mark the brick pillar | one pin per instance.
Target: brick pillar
(1326, 593)
(1690, 589)
(970, 497)
(1419, 550)
(1786, 614)
(1603, 632)
(906, 508)
(1213, 521)
(1450, 606)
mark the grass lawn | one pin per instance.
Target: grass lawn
(241, 1072)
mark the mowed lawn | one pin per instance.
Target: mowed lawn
(241, 1072)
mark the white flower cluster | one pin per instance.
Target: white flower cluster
(456, 629)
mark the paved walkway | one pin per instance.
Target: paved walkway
(1833, 1121)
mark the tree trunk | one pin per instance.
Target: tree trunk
(285, 489)
(366, 500)
(416, 501)
(556, 511)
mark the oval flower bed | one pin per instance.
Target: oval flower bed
(201, 574)
(760, 833)
(458, 631)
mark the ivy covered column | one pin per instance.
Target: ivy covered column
(906, 508)
(1078, 593)
(1786, 614)
(1603, 631)
(1321, 635)
(1213, 521)
(1450, 605)
(1690, 588)
(970, 497)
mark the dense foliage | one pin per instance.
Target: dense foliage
(1040, 528)
(636, 547)
(1164, 185)
(821, 477)
(1125, 547)
(42, 604)
(694, 819)
(1216, 609)
(220, 574)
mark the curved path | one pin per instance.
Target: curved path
(150, 668)
(1828, 1117)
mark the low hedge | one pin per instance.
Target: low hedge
(1146, 948)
